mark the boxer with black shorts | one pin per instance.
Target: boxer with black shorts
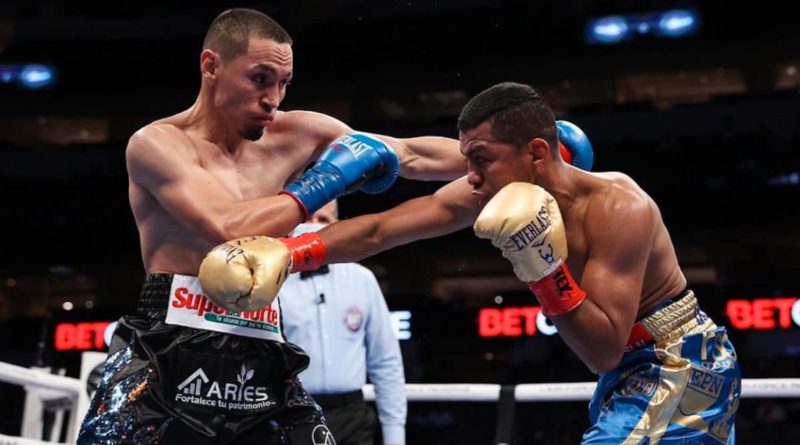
(184, 369)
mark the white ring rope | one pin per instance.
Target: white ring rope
(11, 440)
(457, 392)
(445, 392)
(24, 376)
(563, 392)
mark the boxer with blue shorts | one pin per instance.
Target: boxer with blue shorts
(595, 252)
(678, 383)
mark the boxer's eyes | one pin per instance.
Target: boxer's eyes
(259, 79)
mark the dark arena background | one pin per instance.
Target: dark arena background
(707, 121)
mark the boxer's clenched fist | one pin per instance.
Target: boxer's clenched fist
(524, 222)
(245, 274)
(574, 145)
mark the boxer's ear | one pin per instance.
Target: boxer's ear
(209, 63)
(539, 150)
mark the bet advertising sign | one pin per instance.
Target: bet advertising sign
(742, 315)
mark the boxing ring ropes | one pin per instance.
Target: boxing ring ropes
(55, 387)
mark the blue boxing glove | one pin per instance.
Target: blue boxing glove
(353, 161)
(575, 146)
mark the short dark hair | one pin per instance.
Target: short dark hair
(517, 112)
(229, 34)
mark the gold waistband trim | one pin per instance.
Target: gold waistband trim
(675, 320)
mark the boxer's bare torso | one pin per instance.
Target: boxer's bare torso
(252, 170)
(620, 252)
(662, 277)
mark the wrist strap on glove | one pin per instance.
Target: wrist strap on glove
(308, 251)
(558, 293)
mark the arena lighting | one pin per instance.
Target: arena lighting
(607, 30)
(32, 76)
(618, 28)
(792, 178)
(677, 23)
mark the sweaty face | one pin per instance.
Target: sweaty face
(251, 86)
(492, 164)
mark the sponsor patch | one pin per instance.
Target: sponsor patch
(706, 382)
(189, 306)
(208, 383)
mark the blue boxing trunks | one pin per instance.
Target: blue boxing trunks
(185, 371)
(678, 384)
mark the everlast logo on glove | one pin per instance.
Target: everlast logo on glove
(523, 220)
(529, 233)
(231, 252)
(355, 146)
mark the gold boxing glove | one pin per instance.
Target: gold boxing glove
(246, 274)
(524, 222)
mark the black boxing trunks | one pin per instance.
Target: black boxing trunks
(184, 371)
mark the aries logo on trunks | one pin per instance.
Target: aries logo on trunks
(322, 436)
(235, 389)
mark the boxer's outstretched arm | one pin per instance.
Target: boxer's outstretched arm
(162, 161)
(451, 208)
(620, 226)
(427, 158)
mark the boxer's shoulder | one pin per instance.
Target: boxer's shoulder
(613, 186)
(617, 201)
(161, 138)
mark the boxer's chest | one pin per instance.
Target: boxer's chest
(257, 171)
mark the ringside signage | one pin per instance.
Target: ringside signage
(763, 313)
(513, 322)
(80, 336)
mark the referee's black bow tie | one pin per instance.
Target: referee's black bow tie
(310, 273)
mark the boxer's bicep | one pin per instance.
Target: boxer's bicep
(428, 158)
(618, 237)
(620, 240)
